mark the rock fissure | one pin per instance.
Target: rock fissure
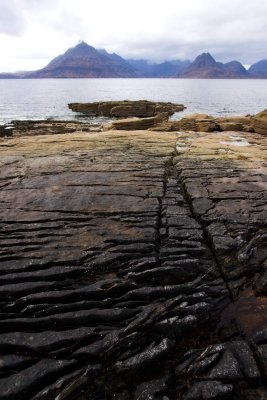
(208, 240)
(135, 256)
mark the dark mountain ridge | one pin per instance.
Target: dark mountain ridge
(84, 61)
(259, 69)
(205, 67)
(167, 69)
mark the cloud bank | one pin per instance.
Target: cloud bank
(32, 32)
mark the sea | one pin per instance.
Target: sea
(49, 98)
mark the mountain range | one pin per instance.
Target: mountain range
(84, 61)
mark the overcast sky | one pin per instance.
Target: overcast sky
(32, 32)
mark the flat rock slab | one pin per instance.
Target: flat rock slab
(126, 108)
(128, 262)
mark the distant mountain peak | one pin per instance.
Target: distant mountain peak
(84, 61)
(259, 69)
(81, 47)
(80, 43)
(204, 60)
(205, 67)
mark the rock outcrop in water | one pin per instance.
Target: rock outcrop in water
(126, 266)
(126, 108)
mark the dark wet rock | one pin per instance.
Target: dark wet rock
(70, 385)
(149, 357)
(166, 275)
(39, 342)
(86, 317)
(209, 390)
(197, 362)
(227, 364)
(260, 337)
(154, 390)
(176, 327)
(27, 382)
(6, 130)
(11, 362)
(260, 285)
(263, 356)
(246, 360)
(227, 368)
(128, 255)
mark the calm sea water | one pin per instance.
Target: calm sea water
(48, 98)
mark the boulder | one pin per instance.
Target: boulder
(126, 108)
(195, 122)
(185, 124)
(206, 125)
(235, 123)
(259, 122)
(134, 124)
(6, 130)
(230, 126)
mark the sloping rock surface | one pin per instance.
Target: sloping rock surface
(126, 265)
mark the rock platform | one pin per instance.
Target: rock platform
(133, 266)
(126, 108)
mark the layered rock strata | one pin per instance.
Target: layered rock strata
(129, 264)
(133, 124)
(207, 123)
(46, 127)
(126, 108)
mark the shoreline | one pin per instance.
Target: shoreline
(133, 263)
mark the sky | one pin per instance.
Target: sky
(32, 32)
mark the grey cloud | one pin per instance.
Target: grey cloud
(12, 21)
(16, 15)
(228, 30)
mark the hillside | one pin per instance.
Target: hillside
(205, 67)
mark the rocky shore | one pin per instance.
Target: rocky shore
(133, 263)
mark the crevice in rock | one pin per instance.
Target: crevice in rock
(206, 236)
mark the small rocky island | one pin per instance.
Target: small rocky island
(126, 108)
(133, 261)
